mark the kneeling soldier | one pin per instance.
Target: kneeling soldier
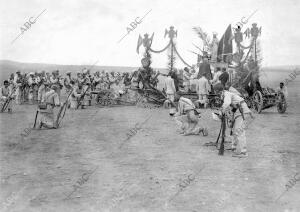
(188, 118)
(6, 95)
(47, 112)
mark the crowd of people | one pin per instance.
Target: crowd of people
(45, 89)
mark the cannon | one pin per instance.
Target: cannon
(267, 98)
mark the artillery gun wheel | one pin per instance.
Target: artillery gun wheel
(257, 101)
(281, 105)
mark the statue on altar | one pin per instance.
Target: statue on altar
(146, 41)
(214, 47)
(171, 33)
(238, 38)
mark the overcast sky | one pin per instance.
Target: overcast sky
(85, 31)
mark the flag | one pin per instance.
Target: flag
(225, 45)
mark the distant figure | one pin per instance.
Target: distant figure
(186, 78)
(203, 89)
(175, 78)
(170, 87)
(282, 89)
(75, 96)
(18, 85)
(224, 77)
(205, 68)
(180, 78)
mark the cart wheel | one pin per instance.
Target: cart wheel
(281, 105)
(257, 101)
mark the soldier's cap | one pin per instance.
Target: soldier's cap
(31, 73)
(215, 33)
(18, 71)
(254, 24)
(68, 72)
(5, 82)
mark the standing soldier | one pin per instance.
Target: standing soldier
(48, 76)
(75, 96)
(47, 114)
(205, 68)
(86, 85)
(54, 80)
(37, 81)
(67, 82)
(31, 84)
(203, 89)
(96, 81)
(236, 106)
(18, 84)
(170, 88)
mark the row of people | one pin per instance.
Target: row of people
(31, 87)
(204, 84)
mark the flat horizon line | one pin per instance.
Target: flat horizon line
(54, 64)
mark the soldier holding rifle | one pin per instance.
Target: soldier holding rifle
(238, 114)
(47, 109)
(6, 95)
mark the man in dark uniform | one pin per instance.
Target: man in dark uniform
(224, 77)
(205, 69)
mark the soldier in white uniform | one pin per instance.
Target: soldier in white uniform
(18, 85)
(187, 119)
(170, 88)
(75, 96)
(240, 115)
(47, 115)
(203, 89)
(5, 93)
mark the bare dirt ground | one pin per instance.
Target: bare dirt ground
(88, 165)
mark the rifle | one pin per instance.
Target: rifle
(7, 101)
(36, 115)
(62, 109)
(223, 127)
(82, 97)
(221, 130)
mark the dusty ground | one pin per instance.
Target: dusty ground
(88, 165)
